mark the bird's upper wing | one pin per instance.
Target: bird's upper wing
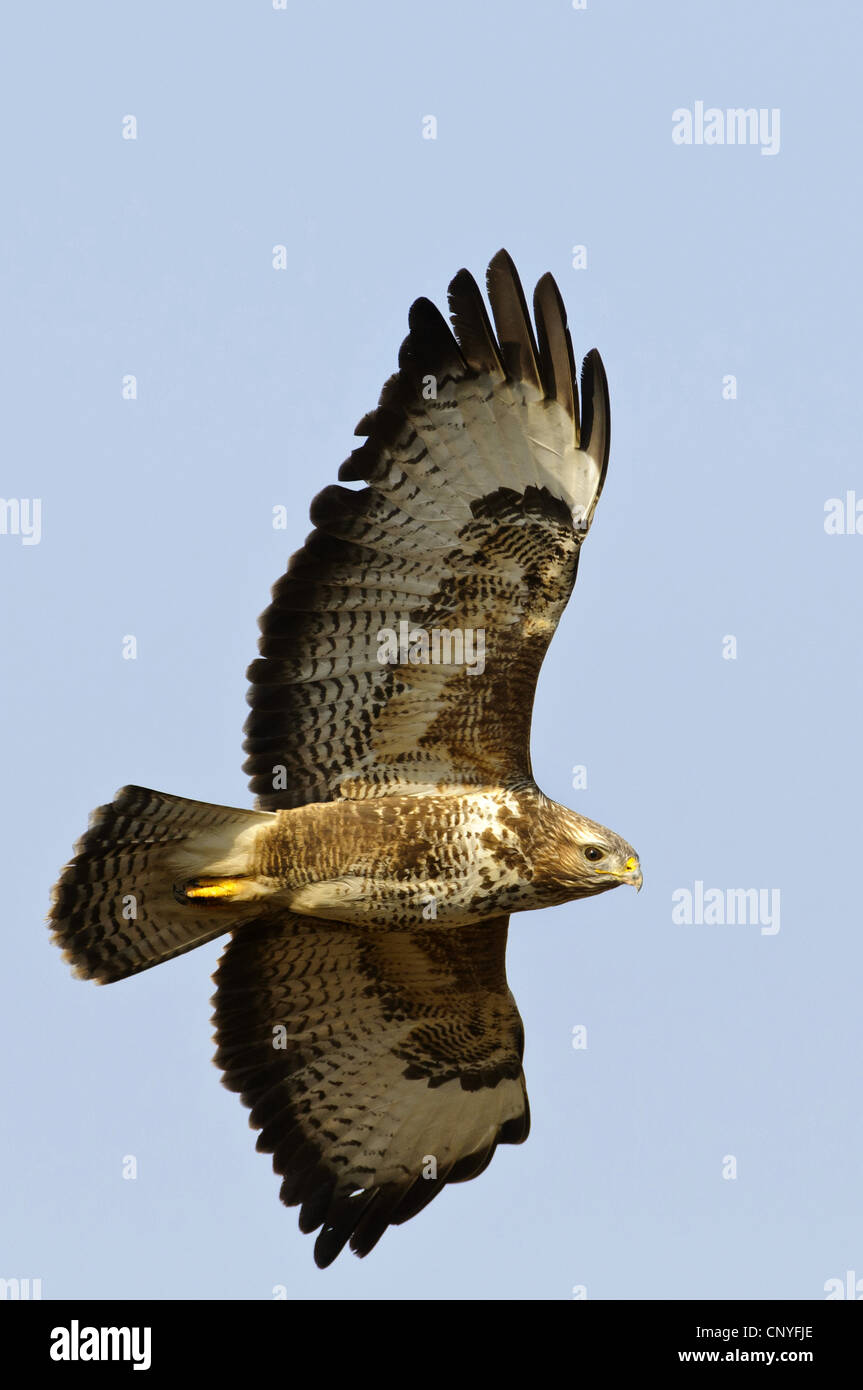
(378, 1065)
(482, 484)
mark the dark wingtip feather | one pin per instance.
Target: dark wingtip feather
(472, 326)
(329, 1245)
(512, 320)
(430, 345)
(557, 361)
(596, 414)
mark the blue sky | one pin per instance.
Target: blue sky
(153, 257)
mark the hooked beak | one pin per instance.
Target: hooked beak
(632, 872)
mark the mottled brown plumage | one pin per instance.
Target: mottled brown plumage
(362, 1009)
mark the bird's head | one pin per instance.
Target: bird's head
(587, 858)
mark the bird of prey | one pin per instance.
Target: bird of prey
(362, 1008)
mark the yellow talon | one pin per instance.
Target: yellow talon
(213, 888)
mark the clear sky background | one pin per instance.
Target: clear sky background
(153, 257)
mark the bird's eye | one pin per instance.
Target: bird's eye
(593, 852)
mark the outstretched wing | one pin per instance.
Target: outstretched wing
(482, 485)
(378, 1066)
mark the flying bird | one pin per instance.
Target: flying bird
(362, 1008)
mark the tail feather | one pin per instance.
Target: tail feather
(119, 908)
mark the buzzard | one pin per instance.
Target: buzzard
(362, 1009)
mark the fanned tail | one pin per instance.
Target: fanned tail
(120, 905)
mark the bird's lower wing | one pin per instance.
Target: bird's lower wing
(378, 1066)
